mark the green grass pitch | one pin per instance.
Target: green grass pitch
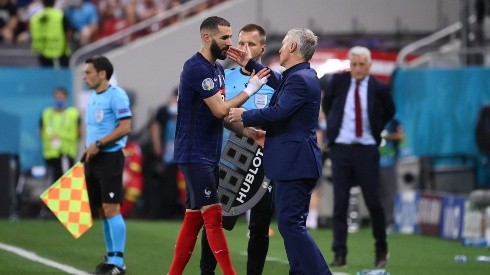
(149, 250)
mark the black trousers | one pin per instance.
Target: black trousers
(58, 166)
(258, 244)
(64, 61)
(356, 165)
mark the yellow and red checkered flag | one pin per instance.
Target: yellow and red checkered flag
(68, 199)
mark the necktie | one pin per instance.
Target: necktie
(357, 104)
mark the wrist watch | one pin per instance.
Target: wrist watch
(98, 144)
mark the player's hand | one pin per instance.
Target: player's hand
(256, 81)
(257, 135)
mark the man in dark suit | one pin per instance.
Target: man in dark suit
(357, 107)
(291, 153)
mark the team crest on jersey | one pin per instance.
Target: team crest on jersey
(207, 193)
(99, 115)
(207, 84)
(260, 101)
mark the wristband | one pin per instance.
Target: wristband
(254, 85)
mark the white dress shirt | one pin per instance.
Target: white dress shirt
(347, 134)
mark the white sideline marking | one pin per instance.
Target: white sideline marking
(35, 258)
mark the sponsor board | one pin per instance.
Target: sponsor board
(429, 214)
(242, 182)
(406, 207)
(452, 217)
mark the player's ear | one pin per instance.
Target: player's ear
(205, 37)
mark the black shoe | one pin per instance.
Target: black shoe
(99, 266)
(381, 259)
(338, 260)
(109, 269)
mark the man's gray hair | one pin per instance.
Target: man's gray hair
(306, 41)
(362, 51)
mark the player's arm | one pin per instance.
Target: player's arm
(220, 108)
(256, 134)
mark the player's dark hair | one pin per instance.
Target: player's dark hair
(212, 23)
(101, 63)
(254, 27)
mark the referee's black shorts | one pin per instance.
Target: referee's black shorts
(103, 175)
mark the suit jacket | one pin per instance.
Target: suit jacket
(381, 107)
(291, 151)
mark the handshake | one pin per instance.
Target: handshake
(256, 81)
(235, 115)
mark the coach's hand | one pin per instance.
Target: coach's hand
(241, 57)
(235, 114)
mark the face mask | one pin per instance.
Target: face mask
(172, 109)
(59, 104)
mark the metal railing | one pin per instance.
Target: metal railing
(17, 55)
(426, 41)
(125, 35)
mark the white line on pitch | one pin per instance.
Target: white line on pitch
(35, 258)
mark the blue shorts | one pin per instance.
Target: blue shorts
(201, 184)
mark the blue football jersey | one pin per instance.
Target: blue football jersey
(199, 134)
(102, 116)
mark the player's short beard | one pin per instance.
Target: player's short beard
(216, 51)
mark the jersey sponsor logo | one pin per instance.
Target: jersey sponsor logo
(99, 115)
(260, 101)
(207, 84)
